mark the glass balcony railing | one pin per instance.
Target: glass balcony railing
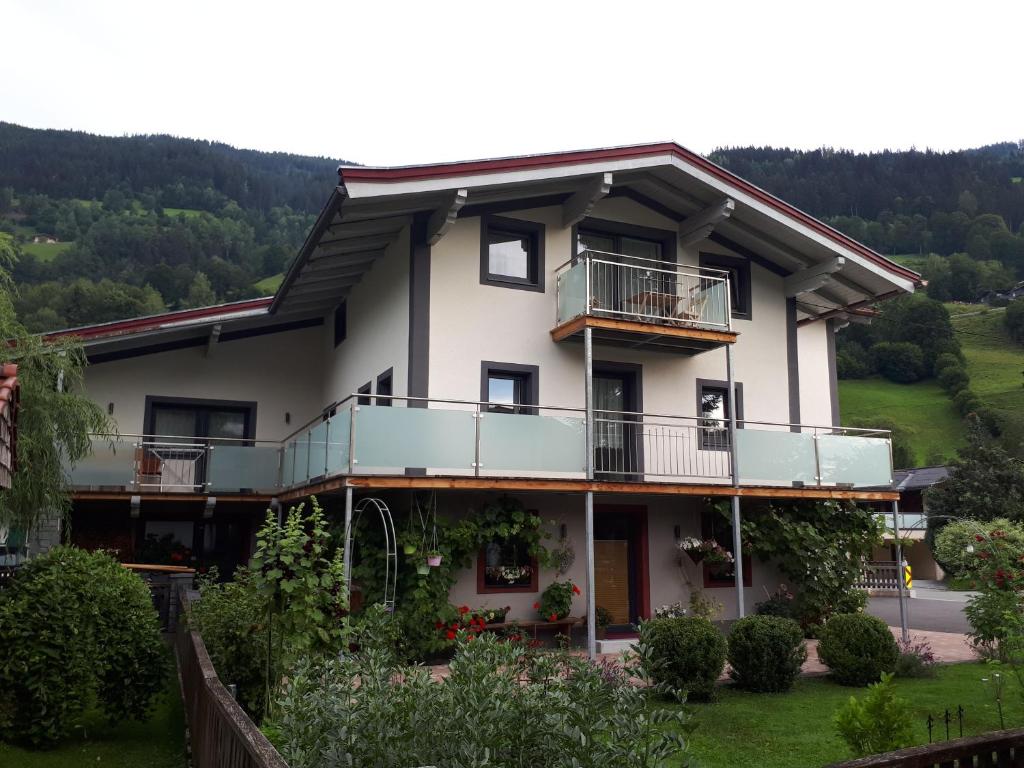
(460, 438)
(629, 288)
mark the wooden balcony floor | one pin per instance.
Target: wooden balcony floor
(662, 337)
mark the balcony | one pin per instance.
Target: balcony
(462, 439)
(630, 301)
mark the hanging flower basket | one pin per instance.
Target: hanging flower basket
(422, 569)
(434, 559)
(409, 549)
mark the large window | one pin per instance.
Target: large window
(509, 387)
(193, 418)
(505, 565)
(738, 270)
(511, 253)
(714, 410)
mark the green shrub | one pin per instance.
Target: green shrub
(1014, 320)
(947, 360)
(77, 630)
(766, 653)
(852, 601)
(989, 614)
(857, 648)
(878, 722)
(899, 361)
(957, 546)
(232, 618)
(954, 379)
(687, 654)
(966, 402)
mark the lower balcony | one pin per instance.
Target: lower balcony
(416, 438)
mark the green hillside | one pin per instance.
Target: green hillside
(268, 285)
(935, 429)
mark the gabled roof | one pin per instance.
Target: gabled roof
(371, 206)
(919, 478)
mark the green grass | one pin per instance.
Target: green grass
(933, 426)
(186, 212)
(747, 730)
(268, 285)
(45, 251)
(157, 743)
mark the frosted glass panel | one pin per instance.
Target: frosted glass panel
(532, 443)
(318, 450)
(396, 438)
(858, 461)
(337, 443)
(302, 459)
(288, 465)
(712, 302)
(572, 292)
(768, 457)
(109, 465)
(244, 467)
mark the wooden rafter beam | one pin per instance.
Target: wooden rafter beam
(442, 219)
(812, 278)
(701, 224)
(583, 200)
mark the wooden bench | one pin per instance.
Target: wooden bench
(569, 622)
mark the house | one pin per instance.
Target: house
(1001, 297)
(616, 337)
(911, 484)
(44, 239)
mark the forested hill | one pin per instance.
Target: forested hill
(109, 227)
(179, 173)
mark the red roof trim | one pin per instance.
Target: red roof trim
(442, 170)
(138, 324)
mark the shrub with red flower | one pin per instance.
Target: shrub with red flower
(556, 600)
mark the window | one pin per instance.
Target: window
(340, 323)
(717, 528)
(195, 418)
(511, 253)
(714, 410)
(739, 280)
(505, 565)
(384, 387)
(364, 394)
(509, 387)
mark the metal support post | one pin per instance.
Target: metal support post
(348, 540)
(588, 362)
(737, 539)
(897, 527)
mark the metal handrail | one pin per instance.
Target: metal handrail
(699, 270)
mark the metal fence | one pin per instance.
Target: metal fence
(879, 576)
(221, 735)
(1001, 748)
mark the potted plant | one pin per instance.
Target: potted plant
(434, 558)
(422, 568)
(693, 547)
(556, 600)
(493, 615)
(718, 558)
(602, 618)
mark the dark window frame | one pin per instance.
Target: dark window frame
(703, 384)
(340, 323)
(738, 265)
(535, 231)
(200, 403)
(364, 394)
(483, 588)
(528, 374)
(618, 230)
(387, 377)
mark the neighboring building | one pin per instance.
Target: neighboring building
(911, 485)
(990, 297)
(432, 336)
(44, 239)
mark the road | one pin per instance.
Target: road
(937, 612)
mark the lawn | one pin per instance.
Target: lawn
(188, 213)
(795, 729)
(45, 251)
(268, 285)
(933, 425)
(157, 743)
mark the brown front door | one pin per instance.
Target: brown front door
(611, 578)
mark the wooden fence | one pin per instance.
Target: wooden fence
(1001, 749)
(221, 734)
(880, 576)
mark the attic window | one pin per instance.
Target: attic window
(511, 253)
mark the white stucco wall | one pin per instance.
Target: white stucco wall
(281, 372)
(815, 392)
(470, 323)
(378, 328)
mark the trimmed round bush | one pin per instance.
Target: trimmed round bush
(857, 648)
(954, 379)
(687, 653)
(766, 653)
(77, 630)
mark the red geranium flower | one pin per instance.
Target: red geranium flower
(536, 606)
(463, 609)
(983, 555)
(438, 624)
(575, 589)
(978, 537)
(553, 617)
(450, 635)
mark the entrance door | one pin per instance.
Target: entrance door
(621, 583)
(618, 453)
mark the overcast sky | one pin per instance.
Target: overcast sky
(395, 83)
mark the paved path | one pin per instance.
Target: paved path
(931, 610)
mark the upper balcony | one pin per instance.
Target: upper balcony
(638, 302)
(415, 439)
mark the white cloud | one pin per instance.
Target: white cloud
(396, 82)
